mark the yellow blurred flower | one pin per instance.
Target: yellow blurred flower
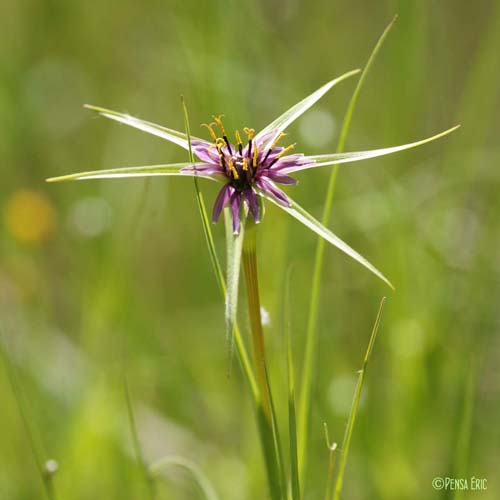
(29, 215)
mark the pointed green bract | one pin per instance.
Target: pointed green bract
(145, 171)
(282, 122)
(296, 211)
(171, 135)
(332, 159)
(234, 247)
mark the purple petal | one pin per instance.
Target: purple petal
(278, 177)
(204, 168)
(262, 141)
(221, 201)
(269, 187)
(235, 207)
(253, 204)
(205, 151)
(291, 161)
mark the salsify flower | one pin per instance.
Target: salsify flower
(250, 167)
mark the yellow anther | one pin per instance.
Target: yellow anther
(285, 151)
(255, 153)
(219, 143)
(218, 121)
(245, 163)
(233, 168)
(238, 138)
(249, 132)
(209, 127)
(280, 136)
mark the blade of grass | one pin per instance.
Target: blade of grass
(240, 345)
(292, 418)
(139, 455)
(46, 469)
(198, 475)
(355, 405)
(331, 463)
(465, 429)
(311, 339)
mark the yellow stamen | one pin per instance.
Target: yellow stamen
(233, 169)
(220, 143)
(255, 153)
(249, 132)
(209, 127)
(238, 138)
(280, 136)
(285, 151)
(218, 121)
(245, 163)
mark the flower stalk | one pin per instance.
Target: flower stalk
(266, 415)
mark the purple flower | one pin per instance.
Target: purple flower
(250, 169)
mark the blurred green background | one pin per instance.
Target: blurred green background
(106, 280)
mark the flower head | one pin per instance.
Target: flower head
(250, 167)
(246, 168)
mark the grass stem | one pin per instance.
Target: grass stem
(355, 405)
(311, 338)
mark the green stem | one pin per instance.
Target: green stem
(139, 455)
(355, 405)
(36, 448)
(311, 337)
(266, 415)
(240, 345)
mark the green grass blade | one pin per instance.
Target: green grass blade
(331, 463)
(219, 274)
(143, 171)
(198, 475)
(354, 98)
(302, 215)
(289, 116)
(311, 342)
(292, 418)
(139, 455)
(460, 467)
(45, 468)
(355, 405)
(179, 138)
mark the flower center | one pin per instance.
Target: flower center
(240, 163)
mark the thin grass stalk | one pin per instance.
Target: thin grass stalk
(45, 473)
(331, 464)
(139, 455)
(465, 429)
(311, 337)
(219, 274)
(292, 417)
(266, 416)
(355, 405)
